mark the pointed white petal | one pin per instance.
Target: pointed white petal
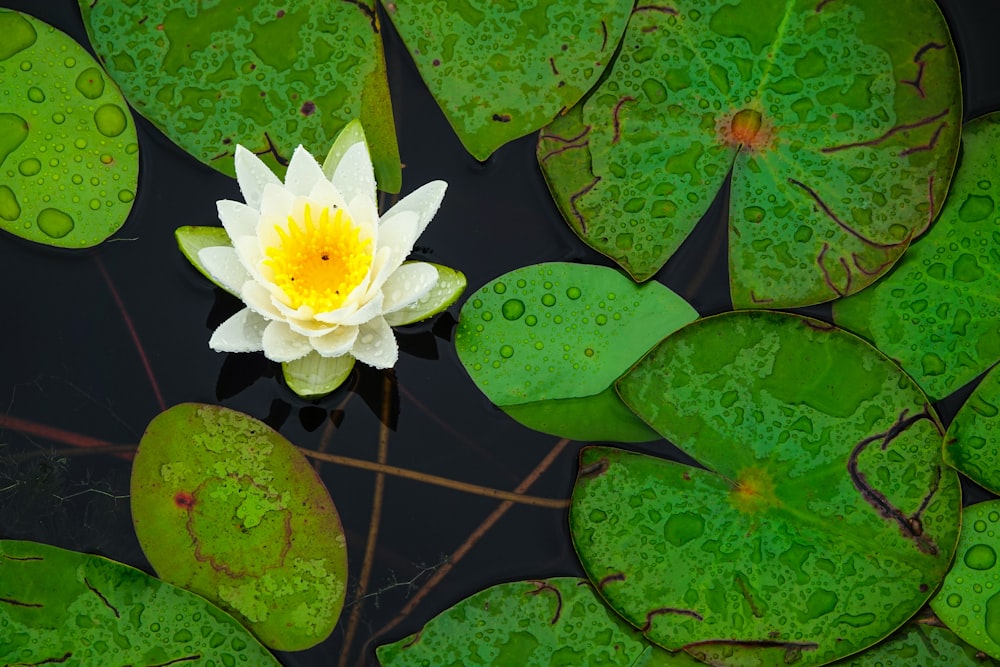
(243, 332)
(258, 299)
(225, 266)
(248, 250)
(397, 235)
(283, 344)
(252, 175)
(336, 343)
(351, 134)
(376, 344)
(276, 203)
(354, 175)
(303, 172)
(324, 194)
(238, 219)
(311, 328)
(407, 285)
(424, 202)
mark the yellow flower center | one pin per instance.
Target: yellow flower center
(318, 262)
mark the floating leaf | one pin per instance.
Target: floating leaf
(191, 239)
(923, 645)
(840, 121)
(825, 518)
(501, 70)
(558, 621)
(969, 602)
(267, 74)
(936, 313)
(227, 508)
(546, 342)
(972, 444)
(63, 607)
(69, 160)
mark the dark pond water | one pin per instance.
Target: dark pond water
(96, 343)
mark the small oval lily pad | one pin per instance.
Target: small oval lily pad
(64, 607)
(69, 159)
(546, 342)
(225, 507)
(972, 444)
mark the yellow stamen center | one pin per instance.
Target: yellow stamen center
(318, 262)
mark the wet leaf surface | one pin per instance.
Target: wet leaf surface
(936, 313)
(227, 508)
(262, 73)
(546, 342)
(972, 444)
(64, 607)
(923, 645)
(501, 70)
(840, 121)
(823, 521)
(69, 160)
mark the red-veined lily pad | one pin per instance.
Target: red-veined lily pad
(839, 120)
(226, 507)
(972, 444)
(267, 74)
(969, 599)
(501, 70)
(919, 644)
(67, 608)
(938, 312)
(69, 160)
(823, 521)
(559, 621)
(545, 343)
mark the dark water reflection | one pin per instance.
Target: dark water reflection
(69, 361)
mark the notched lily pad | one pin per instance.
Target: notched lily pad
(972, 444)
(923, 645)
(64, 607)
(546, 342)
(266, 74)
(936, 313)
(501, 70)
(839, 120)
(824, 520)
(559, 621)
(227, 508)
(69, 160)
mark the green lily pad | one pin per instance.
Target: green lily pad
(936, 313)
(969, 599)
(545, 343)
(823, 521)
(266, 74)
(559, 621)
(69, 160)
(920, 644)
(227, 508)
(839, 122)
(501, 70)
(68, 608)
(972, 444)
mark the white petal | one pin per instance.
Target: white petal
(248, 250)
(238, 219)
(407, 285)
(398, 235)
(324, 194)
(424, 201)
(243, 332)
(283, 344)
(354, 175)
(336, 343)
(258, 299)
(364, 212)
(311, 328)
(276, 203)
(225, 266)
(376, 344)
(303, 172)
(252, 175)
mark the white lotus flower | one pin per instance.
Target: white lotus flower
(318, 269)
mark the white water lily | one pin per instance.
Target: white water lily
(319, 271)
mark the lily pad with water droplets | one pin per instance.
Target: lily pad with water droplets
(938, 312)
(501, 70)
(972, 444)
(839, 122)
(823, 521)
(969, 599)
(69, 160)
(67, 608)
(545, 343)
(266, 74)
(227, 508)
(559, 621)
(920, 645)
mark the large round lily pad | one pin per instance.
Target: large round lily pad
(972, 444)
(266, 74)
(823, 521)
(60, 607)
(920, 645)
(839, 120)
(69, 161)
(501, 70)
(938, 312)
(546, 342)
(227, 508)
